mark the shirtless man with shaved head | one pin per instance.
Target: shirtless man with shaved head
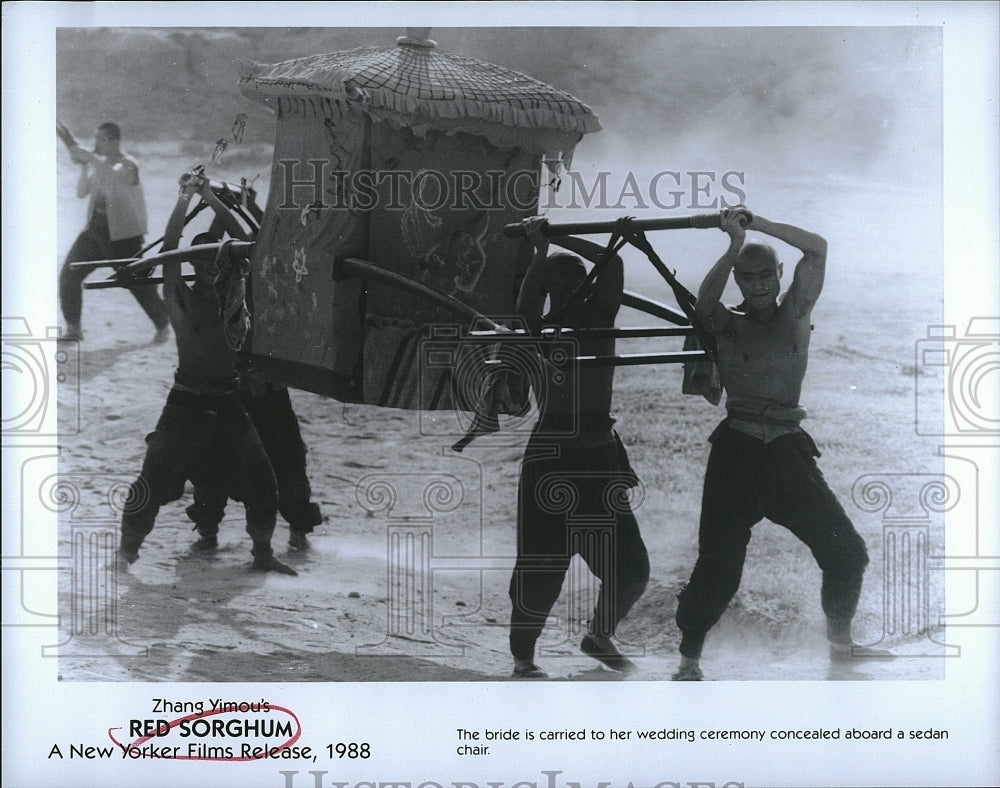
(762, 463)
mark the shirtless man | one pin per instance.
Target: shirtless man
(574, 446)
(203, 434)
(269, 407)
(762, 463)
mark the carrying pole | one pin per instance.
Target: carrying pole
(139, 281)
(701, 221)
(348, 267)
(133, 265)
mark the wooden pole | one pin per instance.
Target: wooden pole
(701, 221)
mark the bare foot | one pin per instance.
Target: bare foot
(526, 669)
(846, 652)
(206, 544)
(688, 670)
(125, 558)
(297, 541)
(272, 564)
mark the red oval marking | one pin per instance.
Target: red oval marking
(210, 713)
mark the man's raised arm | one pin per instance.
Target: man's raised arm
(709, 306)
(606, 298)
(81, 157)
(531, 297)
(172, 237)
(124, 170)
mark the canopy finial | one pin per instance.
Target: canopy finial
(417, 37)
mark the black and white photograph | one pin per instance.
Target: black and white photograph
(466, 394)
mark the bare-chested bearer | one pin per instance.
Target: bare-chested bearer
(575, 472)
(762, 463)
(204, 434)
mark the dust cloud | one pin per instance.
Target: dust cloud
(817, 101)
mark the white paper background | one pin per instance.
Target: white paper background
(412, 726)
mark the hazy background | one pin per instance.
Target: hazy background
(838, 129)
(847, 101)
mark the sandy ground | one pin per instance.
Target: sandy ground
(359, 610)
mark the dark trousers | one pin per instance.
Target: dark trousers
(574, 501)
(93, 244)
(208, 440)
(278, 428)
(746, 481)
